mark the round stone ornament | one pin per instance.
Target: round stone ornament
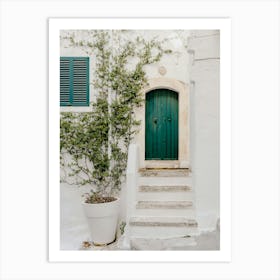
(162, 70)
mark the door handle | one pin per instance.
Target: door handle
(155, 120)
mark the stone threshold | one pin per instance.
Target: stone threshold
(164, 172)
(162, 164)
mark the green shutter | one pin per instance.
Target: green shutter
(74, 81)
(65, 82)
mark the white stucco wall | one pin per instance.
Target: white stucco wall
(176, 64)
(205, 82)
(195, 63)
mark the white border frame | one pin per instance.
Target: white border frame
(224, 254)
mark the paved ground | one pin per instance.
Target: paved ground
(206, 241)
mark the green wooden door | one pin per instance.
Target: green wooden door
(161, 137)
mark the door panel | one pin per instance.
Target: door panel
(161, 133)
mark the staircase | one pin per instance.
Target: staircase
(160, 210)
(163, 208)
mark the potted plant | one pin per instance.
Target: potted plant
(94, 145)
(87, 161)
(102, 214)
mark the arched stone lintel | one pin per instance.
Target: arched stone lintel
(172, 84)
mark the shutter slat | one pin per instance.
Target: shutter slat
(74, 81)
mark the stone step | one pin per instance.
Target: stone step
(163, 181)
(168, 196)
(169, 188)
(162, 227)
(161, 212)
(179, 243)
(162, 222)
(157, 204)
(164, 172)
(169, 193)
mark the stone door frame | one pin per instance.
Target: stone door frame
(183, 137)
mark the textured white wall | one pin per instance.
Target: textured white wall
(204, 74)
(176, 64)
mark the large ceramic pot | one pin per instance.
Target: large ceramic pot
(102, 220)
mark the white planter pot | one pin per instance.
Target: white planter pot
(102, 220)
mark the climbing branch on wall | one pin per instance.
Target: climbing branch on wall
(84, 137)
